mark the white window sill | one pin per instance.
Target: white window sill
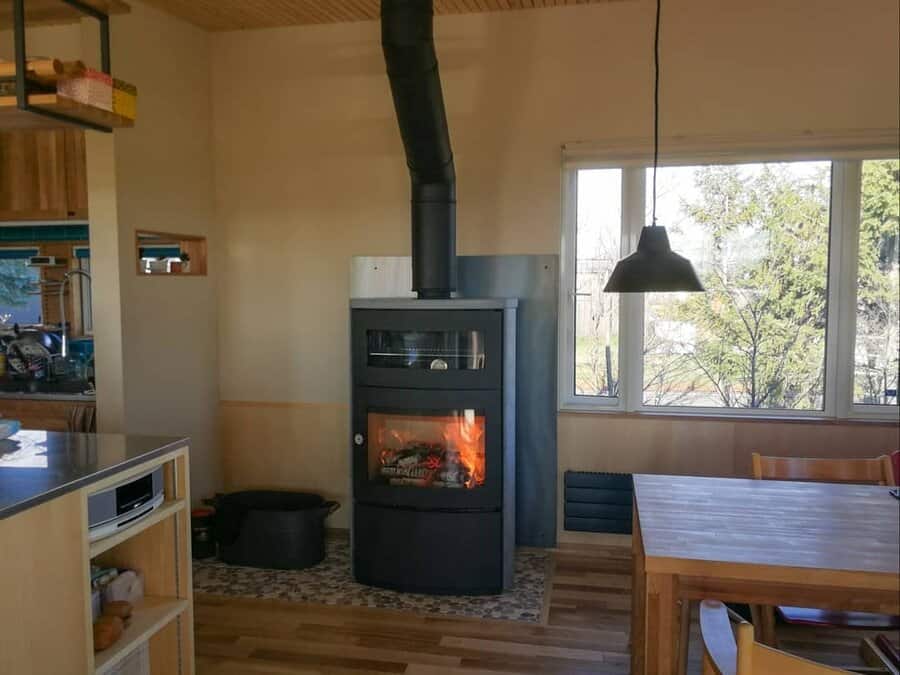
(731, 415)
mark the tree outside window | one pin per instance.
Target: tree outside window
(17, 283)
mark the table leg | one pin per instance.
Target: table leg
(662, 624)
(638, 599)
(684, 636)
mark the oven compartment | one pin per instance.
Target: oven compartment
(428, 349)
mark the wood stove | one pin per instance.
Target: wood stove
(434, 444)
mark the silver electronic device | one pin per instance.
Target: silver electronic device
(121, 506)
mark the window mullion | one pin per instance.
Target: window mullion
(631, 307)
(842, 285)
(568, 264)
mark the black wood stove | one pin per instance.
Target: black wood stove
(433, 378)
(434, 444)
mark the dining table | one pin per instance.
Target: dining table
(760, 542)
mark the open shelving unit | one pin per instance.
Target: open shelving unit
(150, 617)
(28, 109)
(14, 117)
(159, 548)
(166, 510)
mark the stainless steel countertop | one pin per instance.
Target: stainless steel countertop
(37, 466)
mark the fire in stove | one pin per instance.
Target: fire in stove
(436, 452)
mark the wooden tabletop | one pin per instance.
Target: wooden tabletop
(774, 530)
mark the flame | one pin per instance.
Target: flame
(452, 440)
(465, 435)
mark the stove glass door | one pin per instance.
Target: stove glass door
(434, 449)
(426, 449)
(425, 349)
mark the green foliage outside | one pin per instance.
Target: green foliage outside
(15, 283)
(878, 287)
(757, 336)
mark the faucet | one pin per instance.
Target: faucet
(64, 351)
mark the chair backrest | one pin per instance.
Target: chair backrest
(723, 655)
(876, 471)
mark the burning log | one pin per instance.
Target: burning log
(424, 465)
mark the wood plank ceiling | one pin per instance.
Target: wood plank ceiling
(222, 15)
(49, 12)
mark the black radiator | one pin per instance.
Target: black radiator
(598, 502)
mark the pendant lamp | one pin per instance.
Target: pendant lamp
(654, 266)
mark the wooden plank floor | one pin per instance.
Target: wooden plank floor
(585, 630)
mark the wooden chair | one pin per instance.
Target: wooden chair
(877, 471)
(722, 655)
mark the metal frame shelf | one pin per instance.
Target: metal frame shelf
(22, 96)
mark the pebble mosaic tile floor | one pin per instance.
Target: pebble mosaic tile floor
(330, 583)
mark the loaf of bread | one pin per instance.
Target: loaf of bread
(107, 630)
(119, 608)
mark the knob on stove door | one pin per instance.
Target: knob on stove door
(359, 439)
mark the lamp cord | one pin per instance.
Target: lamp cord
(656, 105)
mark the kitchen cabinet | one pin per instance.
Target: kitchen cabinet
(45, 592)
(43, 175)
(44, 413)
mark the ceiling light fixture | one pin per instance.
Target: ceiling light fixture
(654, 266)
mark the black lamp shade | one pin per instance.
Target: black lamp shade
(653, 267)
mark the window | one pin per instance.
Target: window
(878, 286)
(758, 237)
(598, 247)
(782, 252)
(20, 299)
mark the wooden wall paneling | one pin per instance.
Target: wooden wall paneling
(75, 161)
(41, 415)
(295, 446)
(32, 175)
(812, 440)
(625, 443)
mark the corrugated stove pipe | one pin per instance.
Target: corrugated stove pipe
(408, 44)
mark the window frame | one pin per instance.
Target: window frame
(840, 334)
(26, 253)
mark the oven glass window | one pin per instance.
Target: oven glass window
(426, 349)
(433, 449)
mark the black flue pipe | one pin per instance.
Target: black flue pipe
(408, 43)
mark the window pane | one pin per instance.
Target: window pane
(758, 237)
(878, 285)
(20, 301)
(599, 226)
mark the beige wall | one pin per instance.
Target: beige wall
(310, 171)
(156, 337)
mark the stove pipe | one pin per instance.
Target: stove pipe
(408, 44)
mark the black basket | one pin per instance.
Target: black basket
(272, 529)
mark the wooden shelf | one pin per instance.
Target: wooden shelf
(150, 616)
(11, 117)
(165, 510)
(54, 12)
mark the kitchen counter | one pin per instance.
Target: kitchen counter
(46, 482)
(46, 396)
(37, 466)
